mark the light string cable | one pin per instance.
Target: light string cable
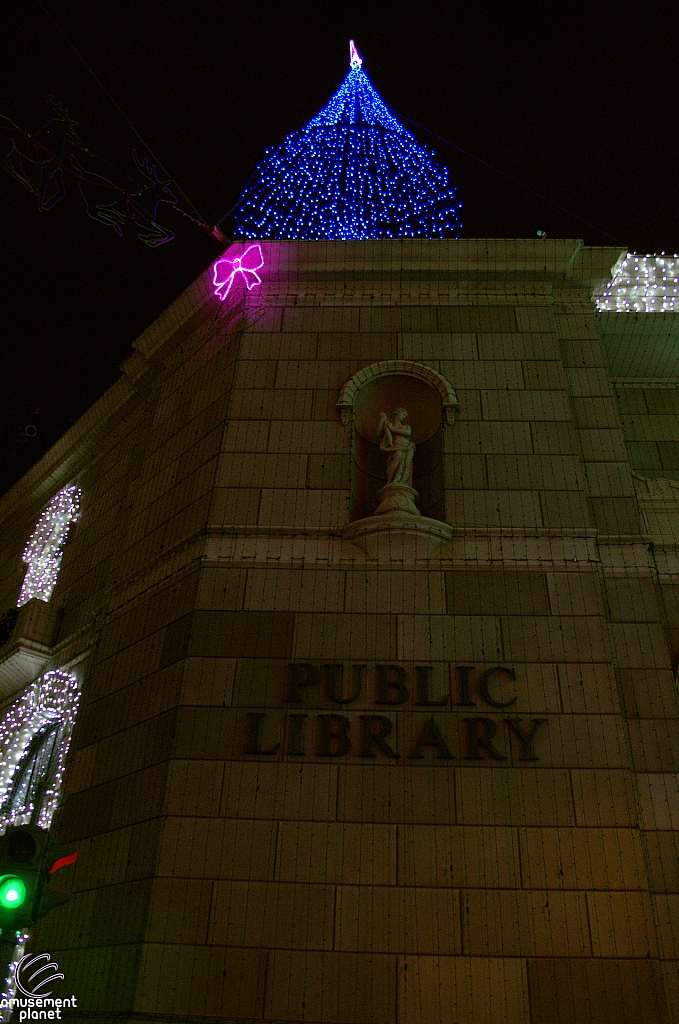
(200, 220)
(104, 182)
(514, 181)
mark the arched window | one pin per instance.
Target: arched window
(34, 739)
(35, 774)
(46, 545)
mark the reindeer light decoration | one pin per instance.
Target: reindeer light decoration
(42, 162)
(115, 209)
(36, 160)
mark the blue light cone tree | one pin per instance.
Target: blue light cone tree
(353, 172)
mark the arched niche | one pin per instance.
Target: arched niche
(431, 403)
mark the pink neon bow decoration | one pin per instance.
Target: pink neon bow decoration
(247, 264)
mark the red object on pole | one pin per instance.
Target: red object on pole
(63, 862)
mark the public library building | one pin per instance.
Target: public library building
(357, 601)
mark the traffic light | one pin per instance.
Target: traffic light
(28, 860)
(12, 892)
(20, 859)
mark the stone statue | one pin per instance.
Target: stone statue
(395, 437)
(398, 495)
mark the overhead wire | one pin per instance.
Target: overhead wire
(201, 219)
(508, 177)
(490, 167)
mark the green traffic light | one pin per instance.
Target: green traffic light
(12, 892)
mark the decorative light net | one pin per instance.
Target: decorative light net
(353, 172)
(45, 547)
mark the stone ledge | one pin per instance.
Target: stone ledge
(28, 649)
(397, 536)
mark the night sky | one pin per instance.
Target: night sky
(578, 102)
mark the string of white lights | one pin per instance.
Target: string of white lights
(52, 698)
(643, 284)
(46, 544)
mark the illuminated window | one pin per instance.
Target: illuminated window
(34, 740)
(35, 773)
(45, 547)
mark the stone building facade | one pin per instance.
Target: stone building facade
(353, 768)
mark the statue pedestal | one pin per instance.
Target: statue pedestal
(397, 498)
(397, 536)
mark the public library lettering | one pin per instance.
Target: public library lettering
(444, 737)
(421, 685)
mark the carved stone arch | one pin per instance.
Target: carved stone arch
(429, 401)
(405, 367)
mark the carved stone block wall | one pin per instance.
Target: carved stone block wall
(407, 773)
